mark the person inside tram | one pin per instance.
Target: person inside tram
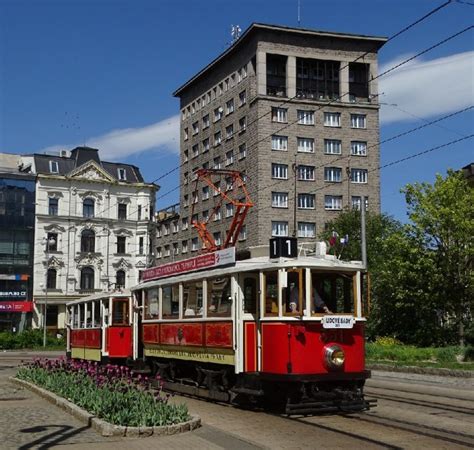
(319, 304)
(293, 298)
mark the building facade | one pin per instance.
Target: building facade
(292, 110)
(92, 228)
(17, 220)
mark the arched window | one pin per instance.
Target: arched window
(51, 279)
(88, 241)
(88, 207)
(120, 279)
(87, 278)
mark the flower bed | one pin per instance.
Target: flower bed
(111, 393)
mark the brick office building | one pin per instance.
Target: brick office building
(290, 109)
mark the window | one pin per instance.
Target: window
(139, 212)
(205, 122)
(205, 145)
(305, 117)
(306, 145)
(217, 138)
(217, 237)
(229, 131)
(194, 244)
(270, 293)
(333, 174)
(195, 150)
(305, 173)
(359, 148)
(229, 158)
(53, 167)
(121, 244)
(166, 226)
(158, 252)
(167, 251)
(332, 146)
(205, 192)
(242, 233)
(279, 228)
(280, 171)
(279, 143)
(193, 108)
(184, 224)
(184, 247)
(88, 208)
(205, 215)
(357, 201)
(175, 249)
(229, 107)
(122, 174)
(51, 279)
(242, 98)
(229, 184)
(185, 200)
(53, 206)
(122, 211)
(170, 302)
(120, 279)
(242, 124)
(359, 175)
(195, 127)
(186, 155)
(358, 121)
(217, 162)
(151, 303)
(217, 214)
(229, 210)
(88, 241)
(226, 85)
(192, 299)
(175, 226)
(276, 75)
(141, 246)
(52, 242)
(244, 71)
(306, 201)
(186, 134)
(218, 114)
(306, 229)
(195, 197)
(219, 297)
(279, 115)
(242, 151)
(333, 202)
(87, 278)
(332, 119)
(280, 199)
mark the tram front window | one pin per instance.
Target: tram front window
(294, 294)
(120, 313)
(271, 293)
(250, 294)
(192, 300)
(151, 304)
(220, 298)
(171, 302)
(332, 293)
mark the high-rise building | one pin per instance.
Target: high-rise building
(297, 112)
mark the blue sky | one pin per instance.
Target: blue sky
(101, 73)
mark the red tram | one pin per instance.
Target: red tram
(285, 330)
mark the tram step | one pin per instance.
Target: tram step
(247, 391)
(197, 391)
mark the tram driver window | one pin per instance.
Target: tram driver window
(120, 312)
(151, 304)
(294, 293)
(271, 293)
(220, 297)
(171, 302)
(192, 300)
(333, 291)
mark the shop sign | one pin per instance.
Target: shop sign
(16, 307)
(13, 294)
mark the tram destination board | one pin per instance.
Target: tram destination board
(286, 247)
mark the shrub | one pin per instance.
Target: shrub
(112, 393)
(387, 341)
(468, 354)
(28, 339)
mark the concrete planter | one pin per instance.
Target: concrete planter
(106, 428)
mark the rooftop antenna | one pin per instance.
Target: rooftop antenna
(299, 13)
(235, 31)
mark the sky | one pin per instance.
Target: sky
(101, 73)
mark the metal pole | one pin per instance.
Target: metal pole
(362, 233)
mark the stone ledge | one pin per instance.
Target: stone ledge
(422, 370)
(105, 428)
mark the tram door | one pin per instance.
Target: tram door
(248, 323)
(119, 333)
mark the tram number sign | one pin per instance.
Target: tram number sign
(331, 321)
(286, 247)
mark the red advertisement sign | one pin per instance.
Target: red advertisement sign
(16, 307)
(219, 258)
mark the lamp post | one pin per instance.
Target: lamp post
(47, 242)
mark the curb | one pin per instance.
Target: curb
(105, 428)
(423, 370)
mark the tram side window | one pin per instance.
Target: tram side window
(335, 291)
(75, 316)
(250, 294)
(170, 302)
(192, 299)
(294, 294)
(82, 316)
(120, 312)
(96, 314)
(151, 304)
(271, 293)
(220, 297)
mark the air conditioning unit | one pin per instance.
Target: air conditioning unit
(64, 153)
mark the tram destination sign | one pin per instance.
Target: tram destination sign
(332, 321)
(206, 261)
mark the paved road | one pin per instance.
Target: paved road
(414, 411)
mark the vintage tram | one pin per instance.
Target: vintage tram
(287, 330)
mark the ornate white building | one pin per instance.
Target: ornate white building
(92, 228)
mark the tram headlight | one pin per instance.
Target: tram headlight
(334, 356)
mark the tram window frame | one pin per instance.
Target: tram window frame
(173, 301)
(215, 305)
(75, 317)
(124, 319)
(272, 301)
(250, 306)
(331, 292)
(96, 319)
(196, 311)
(286, 293)
(149, 315)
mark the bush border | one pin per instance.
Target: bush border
(105, 428)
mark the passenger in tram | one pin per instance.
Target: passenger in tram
(293, 298)
(319, 305)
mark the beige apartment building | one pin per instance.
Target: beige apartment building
(296, 111)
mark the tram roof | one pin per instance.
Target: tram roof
(100, 296)
(327, 262)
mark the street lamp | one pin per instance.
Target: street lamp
(47, 242)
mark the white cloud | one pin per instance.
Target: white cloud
(118, 144)
(427, 88)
